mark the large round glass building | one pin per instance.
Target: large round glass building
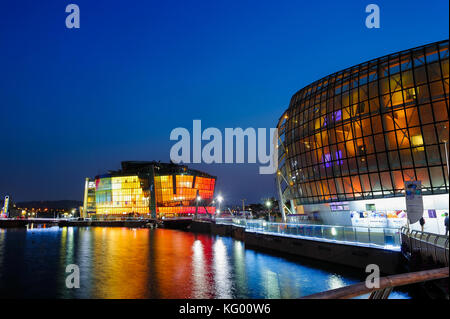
(349, 141)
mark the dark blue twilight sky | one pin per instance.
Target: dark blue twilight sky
(76, 102)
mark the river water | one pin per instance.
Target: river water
(154, 263)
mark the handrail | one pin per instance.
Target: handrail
(406, 231)
(387, 282)
(306, 225)
(426, 243)
(374, 237)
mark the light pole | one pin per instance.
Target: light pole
(219, 199)
(243, 204)
(269, 207)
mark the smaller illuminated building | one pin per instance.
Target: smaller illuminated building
(150, 189)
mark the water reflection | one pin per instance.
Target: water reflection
(2, 249)
(222, 272)
(199, 282)
(335, 281)
(145, 263)
(240, 277)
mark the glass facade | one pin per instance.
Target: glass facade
(361, 132)
(181, 198)
(121, 195)
(141, 187)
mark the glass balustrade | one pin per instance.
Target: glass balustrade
(377, 237)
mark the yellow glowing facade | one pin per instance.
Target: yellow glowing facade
(121, 195)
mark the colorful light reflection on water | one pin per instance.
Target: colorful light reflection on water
(146, 263)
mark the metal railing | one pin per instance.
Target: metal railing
(223, 221)
(386, 285)
(376, 237)
(428, 245)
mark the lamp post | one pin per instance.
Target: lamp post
(269, 207)
(243, 204)
(219, 199)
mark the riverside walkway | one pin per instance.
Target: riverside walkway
(372, 237)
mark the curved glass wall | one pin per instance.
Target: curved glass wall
(361, 132)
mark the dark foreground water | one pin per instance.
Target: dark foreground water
(161, 263)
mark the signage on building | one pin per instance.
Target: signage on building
(414, 201)
(6, 206)
(432, 213)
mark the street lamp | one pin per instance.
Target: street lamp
(269, 205)
(219, 199)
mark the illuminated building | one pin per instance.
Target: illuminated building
(4, 212)
(149, 189)
(350, 140)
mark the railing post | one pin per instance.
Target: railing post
(410, 242)
(446, 252)
(381, 293)
(435, 246)
(428, 244)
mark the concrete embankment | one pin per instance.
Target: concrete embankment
(348, 255)
(150, 223)
(200, 227)
(12, 223)
(105, 223)
(167, 223)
